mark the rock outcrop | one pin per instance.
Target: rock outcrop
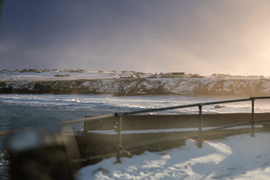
(142, 86)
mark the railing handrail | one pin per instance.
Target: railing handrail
(200, 132)
(192, 105)
(3, 133)
(183, 106)
(157, 109)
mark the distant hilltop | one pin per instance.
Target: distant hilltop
(43, 70)
(134, 74)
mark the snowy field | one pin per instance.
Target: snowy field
(236, 157)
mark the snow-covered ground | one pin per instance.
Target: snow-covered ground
(236, 157)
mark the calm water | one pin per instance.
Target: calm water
(18, 111)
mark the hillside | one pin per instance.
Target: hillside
(142, 86)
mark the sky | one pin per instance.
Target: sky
(192, 36)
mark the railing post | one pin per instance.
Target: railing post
(200, 127)
(252, 116)
(119, 146)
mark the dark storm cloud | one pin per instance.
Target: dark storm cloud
(192, 36)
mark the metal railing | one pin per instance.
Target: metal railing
(200, 122)
(200, 131)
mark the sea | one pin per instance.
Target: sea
(19, 111)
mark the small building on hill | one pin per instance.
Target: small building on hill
(221, 76)
(177, 74)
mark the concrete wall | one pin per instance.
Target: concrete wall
(144, 122)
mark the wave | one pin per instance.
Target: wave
(109, 102)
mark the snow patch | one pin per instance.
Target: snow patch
(236, 157)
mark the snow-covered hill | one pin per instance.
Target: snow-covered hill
(141, 86)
